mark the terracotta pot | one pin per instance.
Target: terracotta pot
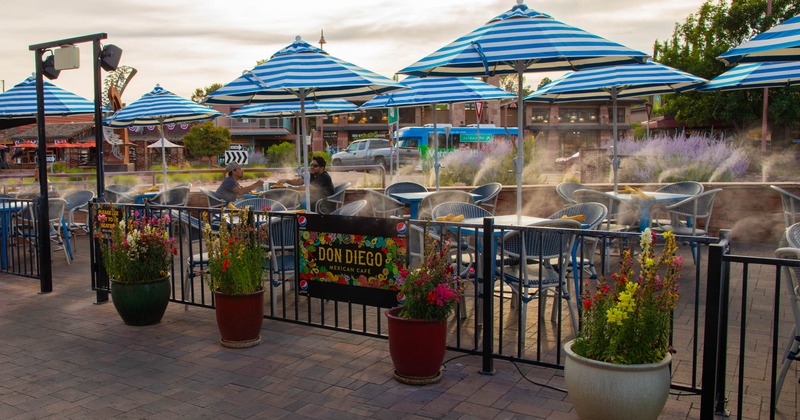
(417, 348)
(239, 318)
(141, 303)
(600, 390)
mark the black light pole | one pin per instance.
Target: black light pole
(99, 58)
(43, 219)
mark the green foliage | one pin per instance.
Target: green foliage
(629, 320)
(431, 291)
(207, 140)
(495, 163)
(59, 167)
(138, 250)
(282, 154)
(200, 94)
(695, 44)
(235, 255)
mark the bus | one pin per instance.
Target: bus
(452, 138)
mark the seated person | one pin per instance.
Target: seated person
(320, 182)
(230, 189)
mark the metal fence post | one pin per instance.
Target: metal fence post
(488, 296)
(712, 393)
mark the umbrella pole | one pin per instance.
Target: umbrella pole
(615, 161)
(435, 148)
(306, 175)
(299, 143)
(519, 162)
(163, 152)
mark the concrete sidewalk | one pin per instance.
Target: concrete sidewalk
(63, 356)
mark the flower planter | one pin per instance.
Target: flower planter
(600, 390)
(239, 318)
(141, 303)
(417, 348)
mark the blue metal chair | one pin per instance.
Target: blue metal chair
(594, 214)
(487, 195)
(404, 187)
(791, 280)
(351, 209)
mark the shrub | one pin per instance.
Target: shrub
(696, 157)
(283, 154)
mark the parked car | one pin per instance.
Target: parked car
(374, 152)
(566, 161)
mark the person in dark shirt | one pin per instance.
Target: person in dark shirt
(230, 189)
(320, 182)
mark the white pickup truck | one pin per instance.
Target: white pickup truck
(374, 152)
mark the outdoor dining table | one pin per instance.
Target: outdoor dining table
(643, 204)
(412, 200)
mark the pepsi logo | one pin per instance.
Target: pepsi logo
(302, 221)
(304, 285)
(401, 227)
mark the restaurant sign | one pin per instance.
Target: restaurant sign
(351, 259)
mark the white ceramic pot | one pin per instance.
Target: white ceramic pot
(600, 390)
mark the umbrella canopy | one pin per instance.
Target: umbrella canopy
(25, 145)
(438, 90)
(20, 101)
(615, 82)
(781, 43)
(158, 107)
(756, 75)
(518, 41)
(292, 109)
(298, 72)
(162, 142)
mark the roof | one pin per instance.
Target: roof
(52, 131)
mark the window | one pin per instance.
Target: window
(540, 115)
(378, 144)
(578, 115)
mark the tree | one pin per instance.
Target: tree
(509, 83)
(200, 94)
(717, 27)
(206, 140)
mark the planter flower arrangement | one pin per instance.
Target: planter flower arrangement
(418, 329)
(431, 291)
(235, 255)
(236, 261)
(624, 341)
(137, 255)
(138, 250)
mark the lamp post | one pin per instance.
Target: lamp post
(107, 58)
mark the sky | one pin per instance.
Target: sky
(187, 44)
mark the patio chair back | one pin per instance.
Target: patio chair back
(384, 205)
(404, 187)
(683, 187)
(214, 201)
(77, 201)
(175, 196)
(333, 201)
(468, 210)
(565, 190)
(351, 209)
(791, 280)
(487, 195)
(291, 199)
(430, 202)
(791, 205)
(259, 204)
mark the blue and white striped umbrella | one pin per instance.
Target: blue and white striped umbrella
(613, 82)
(160, 107)
(300, 72)
(756, 75)
(518, 41)
(781, 43)
(437, 90)
(292, 109)
(20, 101)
